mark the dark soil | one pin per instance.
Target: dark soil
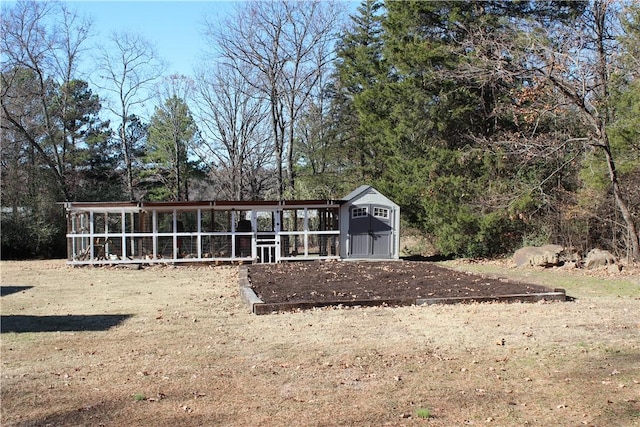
(343, 281)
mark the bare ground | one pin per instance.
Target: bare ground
(360, 281)
(169, 346)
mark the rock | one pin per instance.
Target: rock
(614, 268)
(597, 258)
(543, 256)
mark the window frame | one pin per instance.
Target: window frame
(359, 212)
(380, 212)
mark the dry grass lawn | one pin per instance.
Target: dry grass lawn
(170, 346)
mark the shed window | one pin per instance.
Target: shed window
(381, 212)
(358, 212)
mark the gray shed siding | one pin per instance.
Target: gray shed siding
(369, 225)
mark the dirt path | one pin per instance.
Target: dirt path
(170, 346)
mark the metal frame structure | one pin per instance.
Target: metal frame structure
(233, 231)
(173, 232)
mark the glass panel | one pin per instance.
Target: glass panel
(207, 251)
(79, 223)
(358, 212)
(207, 218)
(286, 220)
(292, 245)
(222, 221)
(327, 245)
(322, 219)
(188, 247)
(216, 221)
(243, 246)
(313, 219)
(322, 245)
(140, 247)
(332, 219)
(243, 221)
(80, 251)
(221, 246)
(109, 249)
(381, 212)
(137, 222)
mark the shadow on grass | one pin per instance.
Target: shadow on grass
(8, 290)
(93, 322)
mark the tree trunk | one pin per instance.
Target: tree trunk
(276, 118)
(176, 149)
(621, 203)
(126, 155)
(290, 148)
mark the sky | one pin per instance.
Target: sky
(175, 28)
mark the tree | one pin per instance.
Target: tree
(234, 133)
(360, 68)
(76, 109)
(422, 136)
(128, 67)
(171, 133)
(577, 63)
(281, 48)
(432, 94)
(49, 122)
(41, 42)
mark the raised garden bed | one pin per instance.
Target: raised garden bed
(271, 288)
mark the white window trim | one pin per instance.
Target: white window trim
(381, 212)
(359, 212)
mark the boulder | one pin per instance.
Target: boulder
(597, 258)
(614, 268)
(543, 256)
(570, 265)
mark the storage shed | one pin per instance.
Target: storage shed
(364, 225)
(369, 225)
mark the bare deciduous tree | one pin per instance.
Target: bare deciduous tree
(281, 48)
(232, 120)
(578, 64)
(128, 67)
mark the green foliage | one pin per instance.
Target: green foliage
(34, 229)
(624, 134)
(168, 168)
(423, 413)
(434, 103)
(444, 193)
(447, 122)
(63, 156)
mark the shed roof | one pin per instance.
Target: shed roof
(357, 192)
(364, 189)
